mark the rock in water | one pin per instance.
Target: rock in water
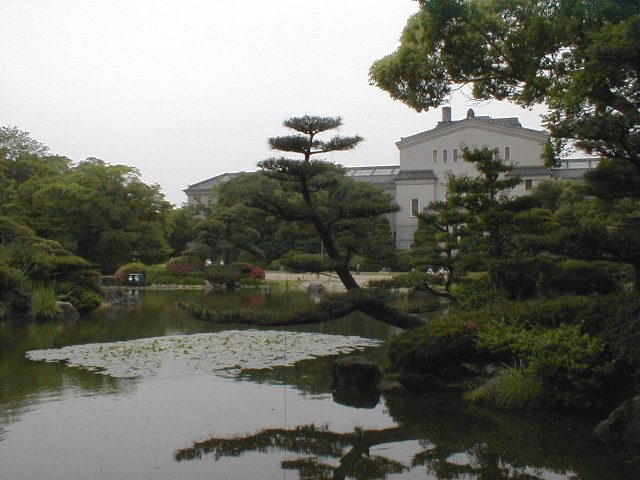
(355, 372)
(67, 311)
(623, 424)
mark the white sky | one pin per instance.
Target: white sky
(184, 90)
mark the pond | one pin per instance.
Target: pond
(156, 394)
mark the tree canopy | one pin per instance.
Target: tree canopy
(101, 212)
(580, 58)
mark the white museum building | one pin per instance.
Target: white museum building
(427, 158)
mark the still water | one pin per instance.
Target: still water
(58, 422)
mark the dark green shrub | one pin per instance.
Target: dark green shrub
(517, 277)
(476, 292)
(546, 312)
(124, 270)
(307, 262)
(440, 345)
(413, 304)
(616, 319)
(223, 275)
(160, 275)
(579, 277)
(414, 279)
(84, 299)
(570, 365)
(11, 277)
(88, 302)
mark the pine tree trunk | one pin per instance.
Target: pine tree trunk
(389, 315)
(347, 279)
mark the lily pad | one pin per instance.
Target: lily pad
(227, 352)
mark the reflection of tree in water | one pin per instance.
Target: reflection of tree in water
(317, 445)
(314, 443)
(483, 464)
(446, 437)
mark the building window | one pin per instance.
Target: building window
(455, 155)
(415, 207)
(496, 153)
(528, 184)
(507, 153)
(445, 155)
(435, 156)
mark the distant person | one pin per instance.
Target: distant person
(357, 269)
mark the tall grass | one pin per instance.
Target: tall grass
(43, 303)
(511, 388)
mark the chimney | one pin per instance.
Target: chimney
(446, 114)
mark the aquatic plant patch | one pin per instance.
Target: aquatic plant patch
(227, 352)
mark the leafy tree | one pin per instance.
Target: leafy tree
(483, 199)
(101, 212)
(16, 143)
(437, 239)
(601, 230)
(313, 193)
(182, 224)
(581, 58)
(225, 233)
(317, 193)
(480, 226)
(275, 237)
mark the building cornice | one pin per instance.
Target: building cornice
(455, 127)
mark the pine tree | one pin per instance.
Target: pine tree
(316, 192)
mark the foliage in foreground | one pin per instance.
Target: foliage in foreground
(35, 272)
(568, 352)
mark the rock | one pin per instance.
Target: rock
(623, 424)
(355, 372)
(317, 287)
(67, 311)
(390, 386)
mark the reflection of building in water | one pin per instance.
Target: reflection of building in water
(426, 158)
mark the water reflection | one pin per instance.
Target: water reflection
(314, 444)
(440, 439)
(143, 422)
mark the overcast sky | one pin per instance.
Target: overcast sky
(184, 90)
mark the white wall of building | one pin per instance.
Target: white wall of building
(406, 191)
